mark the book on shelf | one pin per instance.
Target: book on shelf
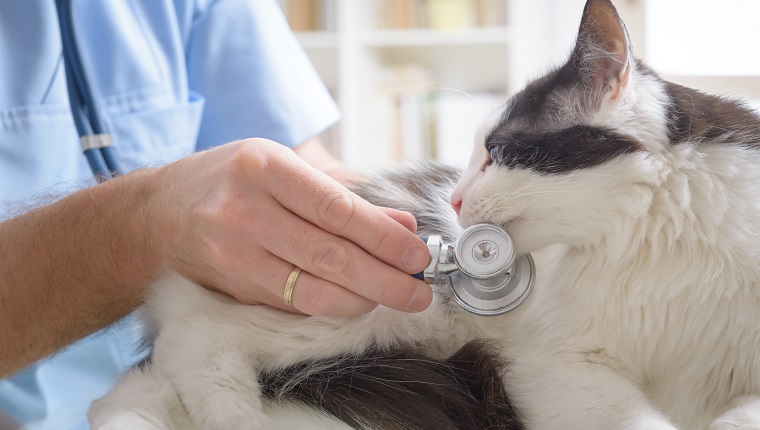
(441, 14)
(320, 15)
(310, 15)
(450, 14)
(491, 13)
(403, 92)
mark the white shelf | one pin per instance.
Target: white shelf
(431, 37)
(410, 38)
(318, 39)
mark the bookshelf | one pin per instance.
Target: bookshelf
(413, 78)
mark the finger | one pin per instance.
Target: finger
(320, 200)
(315, 296)
(269, 299)
(342, 262)
(310, 295)
(404, 218)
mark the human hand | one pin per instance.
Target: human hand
(237, 219)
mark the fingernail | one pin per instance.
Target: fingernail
(420, 299)
(415, 259)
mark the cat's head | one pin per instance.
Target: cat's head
(574, 150)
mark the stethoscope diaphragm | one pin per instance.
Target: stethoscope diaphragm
(482, 269)
(484, 251)
(498, 295)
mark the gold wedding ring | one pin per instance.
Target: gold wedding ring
(287, 295)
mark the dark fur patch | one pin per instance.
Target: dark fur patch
(694, 116)
(530, 104)
(403, 390)
(145, 363)
(577, 147)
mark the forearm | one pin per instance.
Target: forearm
(73, 267)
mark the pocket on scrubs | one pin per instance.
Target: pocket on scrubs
(157, 136)
(39, 148)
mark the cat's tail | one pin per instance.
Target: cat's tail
(402, 390)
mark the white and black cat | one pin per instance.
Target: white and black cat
(640, 200)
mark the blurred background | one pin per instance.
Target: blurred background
(414, 78)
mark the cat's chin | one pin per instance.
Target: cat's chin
(513, 223)
(510, 223)
(526, 238)
(523, 241)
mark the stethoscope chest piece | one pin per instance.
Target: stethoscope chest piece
(498, 295)
(482, 269)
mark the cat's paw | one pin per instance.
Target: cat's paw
(223, 393)
(742, 413)
(226, 407)
(131, 420)
(651, 422)
(236, 419)
(736, 422)
(142, 400)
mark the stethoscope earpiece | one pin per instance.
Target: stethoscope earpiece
(482, 269)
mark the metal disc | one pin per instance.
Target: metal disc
(484, 251)
(498, 295)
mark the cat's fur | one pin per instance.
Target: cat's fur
(641, 202)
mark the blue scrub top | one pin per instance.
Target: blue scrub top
(172, 77)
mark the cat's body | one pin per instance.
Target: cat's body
(641, 201)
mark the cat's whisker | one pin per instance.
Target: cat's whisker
(454, 90)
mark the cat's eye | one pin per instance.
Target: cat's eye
(493, 154)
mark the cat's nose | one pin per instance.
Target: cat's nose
(456, 203)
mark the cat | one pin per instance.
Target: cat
(640, 202)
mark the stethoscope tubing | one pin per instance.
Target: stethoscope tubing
(102, 159)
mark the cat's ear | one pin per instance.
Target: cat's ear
(603, 50)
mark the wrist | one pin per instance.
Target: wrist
(145, 221)
(122, 220)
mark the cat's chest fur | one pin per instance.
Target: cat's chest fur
(670, 299)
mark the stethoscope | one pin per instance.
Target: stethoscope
(91, 127)
(482, 270)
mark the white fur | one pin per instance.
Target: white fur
(209, 349)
